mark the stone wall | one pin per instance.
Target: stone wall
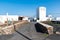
(10, 29)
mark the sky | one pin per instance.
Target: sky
(29, 7)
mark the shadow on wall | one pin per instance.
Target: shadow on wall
(41, 28)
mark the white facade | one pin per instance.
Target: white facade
(58, 19)
(42, 13)
(4, 18)
(25, 18)
(13, 17)
(50, 17)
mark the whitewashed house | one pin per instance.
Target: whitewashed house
(7, 17)
(58, 19)
(4, 18)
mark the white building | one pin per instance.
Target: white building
(58, 19)
(50, 18)
(42, 13)
(4, 18)
(25, 18)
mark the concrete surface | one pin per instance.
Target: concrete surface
(29, 31)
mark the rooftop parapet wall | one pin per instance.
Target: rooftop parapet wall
(49, 28)
(10, 29)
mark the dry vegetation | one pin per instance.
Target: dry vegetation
(51, 23)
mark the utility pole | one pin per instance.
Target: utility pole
(7, 19)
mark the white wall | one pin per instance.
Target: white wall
(3, 18)
(58, 18)
(14, 17)
(25, 18)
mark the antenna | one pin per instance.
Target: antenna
(7, 18)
